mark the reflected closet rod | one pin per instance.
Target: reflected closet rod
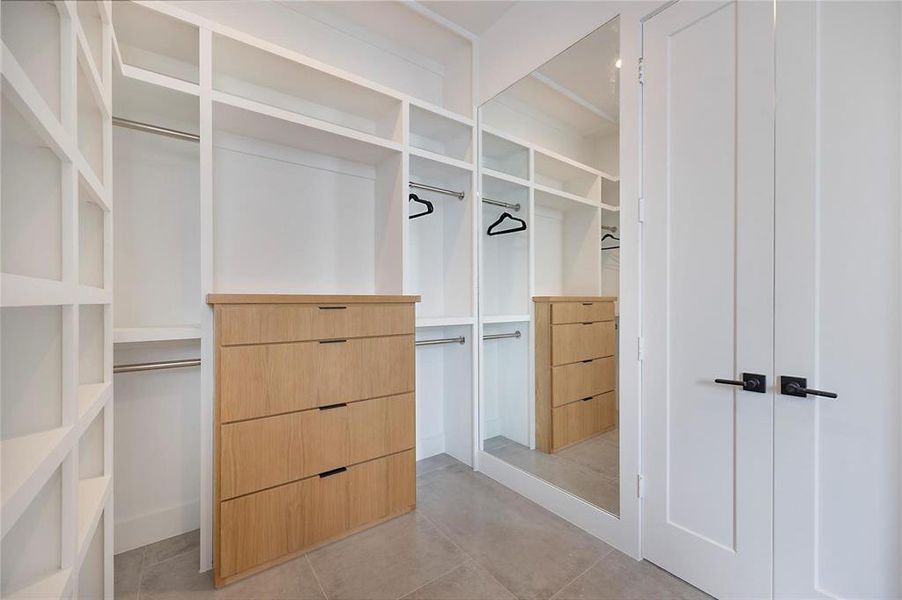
(457, 340)
(610, 228)
(138, 126)
(501, 204)
(154, 366)
(501, 336)
(432, 188)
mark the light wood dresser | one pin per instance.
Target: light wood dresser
(576, 342)
(314, 422)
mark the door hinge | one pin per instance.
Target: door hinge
(641, 72)
(640, 352)
(640, 486)
(641, 209)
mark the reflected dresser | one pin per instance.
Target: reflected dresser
(576, 344)
(314, 425)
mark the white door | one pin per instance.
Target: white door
(708, 122)
(837, 504)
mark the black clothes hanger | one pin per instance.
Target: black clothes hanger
(429, 207)
(506, 215)
(610, 236)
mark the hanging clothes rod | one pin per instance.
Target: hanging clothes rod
(501, 336)
(456, 340)
(611, 228)
(501, 204)
(432, 188)
(138, 126)
(155, 366)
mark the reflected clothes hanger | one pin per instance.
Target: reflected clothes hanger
(429, 207)
(609, 236)
(506, 215)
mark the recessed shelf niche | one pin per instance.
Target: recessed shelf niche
(156, 42)
(31, 31)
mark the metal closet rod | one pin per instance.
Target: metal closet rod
(501, 204)
(432, 188)
(455, 340)
(501, 336)
(155, 366)
(147, 127)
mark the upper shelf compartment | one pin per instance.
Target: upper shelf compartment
(153, 41)
(249, 72)
(564, 175)
(441, 134)
(31, 31)
(505, 156)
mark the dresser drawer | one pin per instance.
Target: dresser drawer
(264, 380)
(578, 341)
(577, 421)
(580, 380)
(266, 452)
(265, 323)
(381, 488)
(268, 525)
(381, 426)
(581, 312)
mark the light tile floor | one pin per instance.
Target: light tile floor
(469, 539)
(589, 469)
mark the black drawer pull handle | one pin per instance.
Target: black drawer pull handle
(332, 472)
(587, 304)
(588, 360)
(587, 323)
(332, 341)
(331, 406)
(332, 307)
(586, 399)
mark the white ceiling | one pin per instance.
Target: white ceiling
(474, 16)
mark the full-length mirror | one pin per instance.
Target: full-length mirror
(549, 254)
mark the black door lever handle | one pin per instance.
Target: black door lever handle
(751, 382)
(797, 386)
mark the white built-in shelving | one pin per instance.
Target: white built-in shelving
(56, 300)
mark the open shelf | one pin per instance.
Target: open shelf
(91, 574)
(505, 383)
(505, 156)
(559, 200)
(440, 253)
(440, 134)
(505, 258)
(30, 200)
(567, 176)
(428, 61)
(525, 318)
(92, 397)
(248, 72)
(125, 335)
(567, 256)
(32, 547)
(301, 206)
(444, 389)
(92, 28)
(444, 321)
(151, 40)
(90, 239)
(610, 194)
(90, 343)
(90, 125)
(90, 450)
(156, 182)
(31, 31)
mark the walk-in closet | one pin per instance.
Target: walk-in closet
(450, 299)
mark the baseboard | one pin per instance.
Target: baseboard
(153, 527)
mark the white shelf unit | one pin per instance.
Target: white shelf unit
(55, 320)
(155, 42)
(304, 170)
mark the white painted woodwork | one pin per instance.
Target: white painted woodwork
(56, 319)
(838, 500)
(708, 288)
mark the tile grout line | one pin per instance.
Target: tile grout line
(434, 579)
(315, 576)
(465, 553)
(140, 575)
(587, 569)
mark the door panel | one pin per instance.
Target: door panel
(837, 506)
(708, 289)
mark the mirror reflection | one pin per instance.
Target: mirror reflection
(550, 253)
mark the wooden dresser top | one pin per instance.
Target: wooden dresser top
(307, 299)
(574, 298)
